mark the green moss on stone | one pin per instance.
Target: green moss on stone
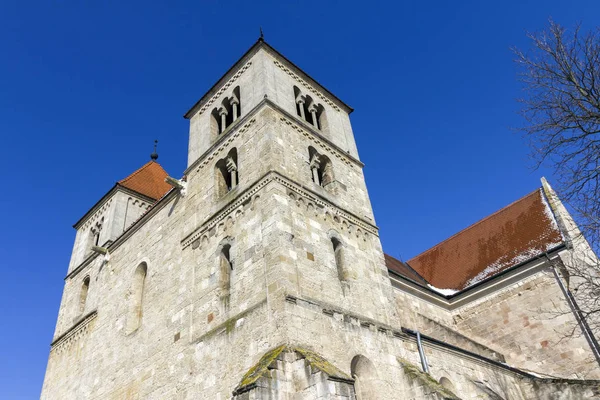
(318, 362)
(261, 368)
(415, 373)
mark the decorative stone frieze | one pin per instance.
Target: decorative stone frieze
(72, 336)
(321, 143)
(225, 87)
(98, 214)
(216, 152)
(306, 85)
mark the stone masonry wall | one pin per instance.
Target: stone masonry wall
(530, 323)
(286, 285)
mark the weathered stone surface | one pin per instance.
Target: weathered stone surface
(287, 286)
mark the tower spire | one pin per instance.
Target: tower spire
(154, 155)
(262, 35)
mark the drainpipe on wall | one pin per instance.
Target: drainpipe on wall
(585, 328)
(422, 354)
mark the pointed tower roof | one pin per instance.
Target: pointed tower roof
(149, 181)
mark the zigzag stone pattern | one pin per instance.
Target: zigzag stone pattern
(306, 85)
(77, 332)
(340, 155)
(97, 214)
(225, 87)
(225, 144)
(326, 210)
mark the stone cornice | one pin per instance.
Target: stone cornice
(295, 191)
(241, 126)
(159, 205)
(306, 85)
(243, 123)
(78, 328)
(397, 332)
(479, 292)
(261, 44)
(106, 199)
(204, 103)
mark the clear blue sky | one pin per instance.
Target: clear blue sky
(85, 89)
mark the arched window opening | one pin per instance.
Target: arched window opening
(215, 123)
(226, 171)
(321, 168)
(83, 294)
(230, 110)
(338, 251)
(447, 384)
(94, 235)
(136, 298)
(322, 119)
(236, 105)
(225, 269)
(309, 110)
(365, 377)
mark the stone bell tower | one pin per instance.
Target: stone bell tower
(247, 259)
(288, 217)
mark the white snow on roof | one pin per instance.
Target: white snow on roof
(445, 292)
(550, 214)
(524, 256)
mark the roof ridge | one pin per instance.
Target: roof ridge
(538, 190)
(137, 171)
(406, 264)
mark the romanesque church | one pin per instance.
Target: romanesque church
(258, 273)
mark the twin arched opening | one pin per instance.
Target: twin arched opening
(310, 111)
(226, 114)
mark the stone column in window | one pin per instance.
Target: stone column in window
(300, 101)
(313, 112)
(223, 114)
(314, 167)
(234, 105)
(232, 170)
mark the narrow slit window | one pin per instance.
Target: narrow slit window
(338, 251)
(85, 287)
(137, 297)
(226, 269)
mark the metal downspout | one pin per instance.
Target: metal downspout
(422, 354)
(589, 336)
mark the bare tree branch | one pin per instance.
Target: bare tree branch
(561, 79)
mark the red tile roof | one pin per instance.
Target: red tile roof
(148, 180)
(403, 269)
(512, 235)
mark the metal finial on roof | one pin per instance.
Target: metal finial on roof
(154, 155)
(262, 35)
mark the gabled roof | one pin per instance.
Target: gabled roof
(516, 233)
(260, 43)
(402, 268)
(149, 181)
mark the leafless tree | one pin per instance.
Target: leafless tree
(561, 78)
